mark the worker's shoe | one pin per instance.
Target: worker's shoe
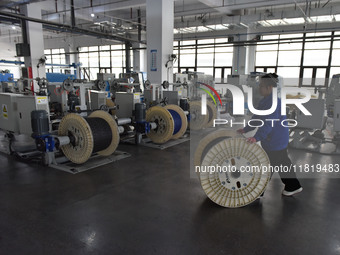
(291, 192)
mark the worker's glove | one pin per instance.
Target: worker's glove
(240, 131)
(251, 140)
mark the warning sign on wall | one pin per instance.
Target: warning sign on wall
(4, 111)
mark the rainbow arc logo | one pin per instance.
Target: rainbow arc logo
(204, 97)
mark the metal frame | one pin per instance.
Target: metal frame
(94, 162)
(148, 143)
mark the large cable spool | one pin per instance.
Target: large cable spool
(209, 140)
(231, 186)
(197, 120)
(170, 123)
(165, 124)
(180, 120)
(96, 134)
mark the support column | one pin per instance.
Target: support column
(239, 56)
(251, 54)
(160, 25)
(139, 58)
(72, 58)
(35, 39)
(127, 57)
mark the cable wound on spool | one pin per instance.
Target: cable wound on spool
(101, 133)
(96, 134)
(114, 132)
(180, 120)
(177, 120)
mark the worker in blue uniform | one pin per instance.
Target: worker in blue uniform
(274, 137)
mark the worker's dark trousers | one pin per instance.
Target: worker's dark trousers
(278, 158)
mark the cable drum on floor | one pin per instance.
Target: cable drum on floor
(170, 122)
(96, 134)
(165, 124)
(233, 173)
(212, 113)
(209, 140)
(197, 120)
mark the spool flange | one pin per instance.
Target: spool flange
(212, 113)
(80, 148)
(197, 120)
(165, 124)
(111, 104)
(211, 139)
(242, 176)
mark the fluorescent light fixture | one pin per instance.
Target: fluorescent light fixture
(324, 18)
(264, 23)
(190, 30)
(92, 15)
(13, 27)
(276, 22)
(244, 25)
(294, 21)
(217, 27)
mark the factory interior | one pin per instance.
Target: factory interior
(170, 127)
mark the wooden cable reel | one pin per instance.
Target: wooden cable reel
(244, 168)
(197, 120)
(96, 134)
(212, 113)
(171, 123)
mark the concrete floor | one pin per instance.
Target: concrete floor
(148, 204)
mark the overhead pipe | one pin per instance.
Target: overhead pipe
(139, 25)
(22, 63)
(68, 27)
(73, 19)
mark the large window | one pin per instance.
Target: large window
(305, 59)
(93, 59)
(55, 57)
(211, 56)
(102, 59)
